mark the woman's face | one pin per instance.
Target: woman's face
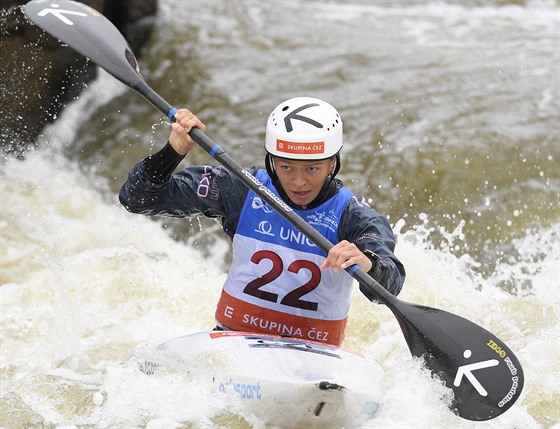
(302, 180)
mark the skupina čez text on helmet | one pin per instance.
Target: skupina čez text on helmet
(304, 128)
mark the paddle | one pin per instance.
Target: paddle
(485, 375)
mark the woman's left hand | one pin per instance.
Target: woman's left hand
(344, 255)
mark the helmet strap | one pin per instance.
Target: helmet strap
(269, 163)
(336, 165)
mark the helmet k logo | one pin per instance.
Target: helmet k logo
(294, 116)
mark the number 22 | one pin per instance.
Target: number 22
(293, 298)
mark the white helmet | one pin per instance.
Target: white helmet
(304, 128)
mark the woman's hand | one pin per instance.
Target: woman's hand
(179, 137)
(344, 255)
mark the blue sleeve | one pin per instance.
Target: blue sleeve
(363, 226)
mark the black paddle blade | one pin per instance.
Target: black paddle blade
(484, 374)
(89, 33)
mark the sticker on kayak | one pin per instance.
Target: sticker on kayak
(272, 342)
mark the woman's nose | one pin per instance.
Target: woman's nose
(298, 178)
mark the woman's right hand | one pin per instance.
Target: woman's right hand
(179, 137)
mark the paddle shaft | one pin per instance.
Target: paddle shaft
(220, 155)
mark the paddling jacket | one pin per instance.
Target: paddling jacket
(212, 191)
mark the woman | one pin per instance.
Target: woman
(279, 281)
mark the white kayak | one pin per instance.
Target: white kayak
(283, 381)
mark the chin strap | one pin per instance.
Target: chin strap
(336, 166)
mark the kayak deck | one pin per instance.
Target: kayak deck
(284, 381)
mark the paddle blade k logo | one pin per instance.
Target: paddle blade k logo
(486, 388)
(466, 371)
(60, 13)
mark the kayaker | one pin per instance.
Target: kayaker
(279, 281)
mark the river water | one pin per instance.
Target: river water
(451, 116)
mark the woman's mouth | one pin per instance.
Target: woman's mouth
(299, 196)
